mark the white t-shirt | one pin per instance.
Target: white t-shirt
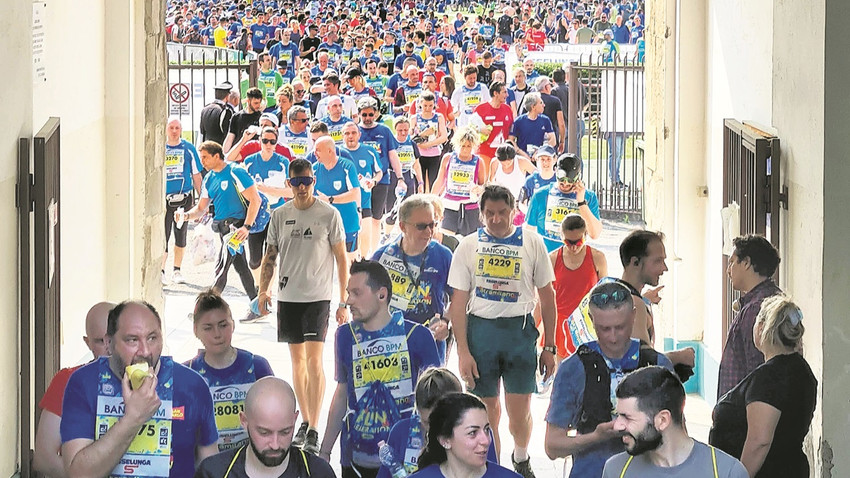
(304, 240)
(501, 275)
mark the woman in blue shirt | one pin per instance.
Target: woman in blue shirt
(458, 441)
(228, 371)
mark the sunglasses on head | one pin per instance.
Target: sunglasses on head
(421, 226)
(298, 181)
(269, 141)
(600, 299)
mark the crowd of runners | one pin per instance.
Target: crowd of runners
(454, 226)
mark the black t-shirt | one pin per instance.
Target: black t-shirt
(551, 107)
(485, 75)
(306, 44)
(505, 23)
(786, 383)
(241, 121)
(216, 466)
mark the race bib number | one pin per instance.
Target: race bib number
(149, 453)
(385, 359)
(471, 102)
(406, 158)
(404, 289)
(460, 179)
(298, 146)
(336, 134)
(498, 270)
(557, 208)
(286, 55)
(228, 402)
(174, 163)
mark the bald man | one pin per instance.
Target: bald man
(182, 185)
(338, 185)
(269, 417)
(46, 458)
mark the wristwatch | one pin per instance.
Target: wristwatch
(551, 349)
(582, 203)
(330, 199)
(247, 226)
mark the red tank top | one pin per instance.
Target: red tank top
(570, 287)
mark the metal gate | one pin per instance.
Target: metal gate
(607, 118)
(750, 179)
(38, 216)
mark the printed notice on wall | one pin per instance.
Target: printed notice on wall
(39, 65)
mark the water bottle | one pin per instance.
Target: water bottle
(385, 454)
(181, 214)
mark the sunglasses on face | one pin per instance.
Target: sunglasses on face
(564, 178)
(300, 120)
(599, 299)
(367, 115)
(298, 181)
(577, 243)
(269, 141)
(421, 226)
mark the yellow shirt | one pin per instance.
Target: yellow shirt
(220, 36)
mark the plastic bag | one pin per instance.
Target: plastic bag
(204, 247)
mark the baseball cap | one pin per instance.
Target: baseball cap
(353, 72)
(282, 64)
(270, 117)
(545, 150)
(608, 32)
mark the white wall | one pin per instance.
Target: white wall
(15, 56)
(739, 60)
(74, 91)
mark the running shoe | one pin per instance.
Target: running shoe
(177, 277)
(311, 445)
(301, 435)
(523, 467)
(251, 318)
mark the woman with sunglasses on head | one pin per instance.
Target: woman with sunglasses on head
(578, 267)
(764, 419)
(459, 438)
(551, 203)
(228, 371)
(419, 267)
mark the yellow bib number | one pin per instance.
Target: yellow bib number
(499, 267)
(227, 414)
(461, 177)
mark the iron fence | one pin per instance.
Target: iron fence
(193, 72)
(607, 118)
(750, 180)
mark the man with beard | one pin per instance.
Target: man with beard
(269, 417)
(583, 392)
(650, 404)
(157, 427)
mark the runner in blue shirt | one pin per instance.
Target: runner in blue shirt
(182, 179)
(259, 33)
(286, 50)
(551, 203)
(228, 371)
(407, 437)
(533, 129)
(458, 433)
(337, 184)
(419, 268)
(368, 165)
(156, 428)
(237, 205)
(335, 119)
(379, 358)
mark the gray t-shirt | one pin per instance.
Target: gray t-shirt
(697, 465)
(304, 240)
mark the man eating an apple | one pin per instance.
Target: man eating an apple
(136, 413)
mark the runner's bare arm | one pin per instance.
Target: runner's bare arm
(342, 266)
(267, 268)
(440, 181)
(46, 458)
(339, 403)
(643, 322)
(560, 445)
